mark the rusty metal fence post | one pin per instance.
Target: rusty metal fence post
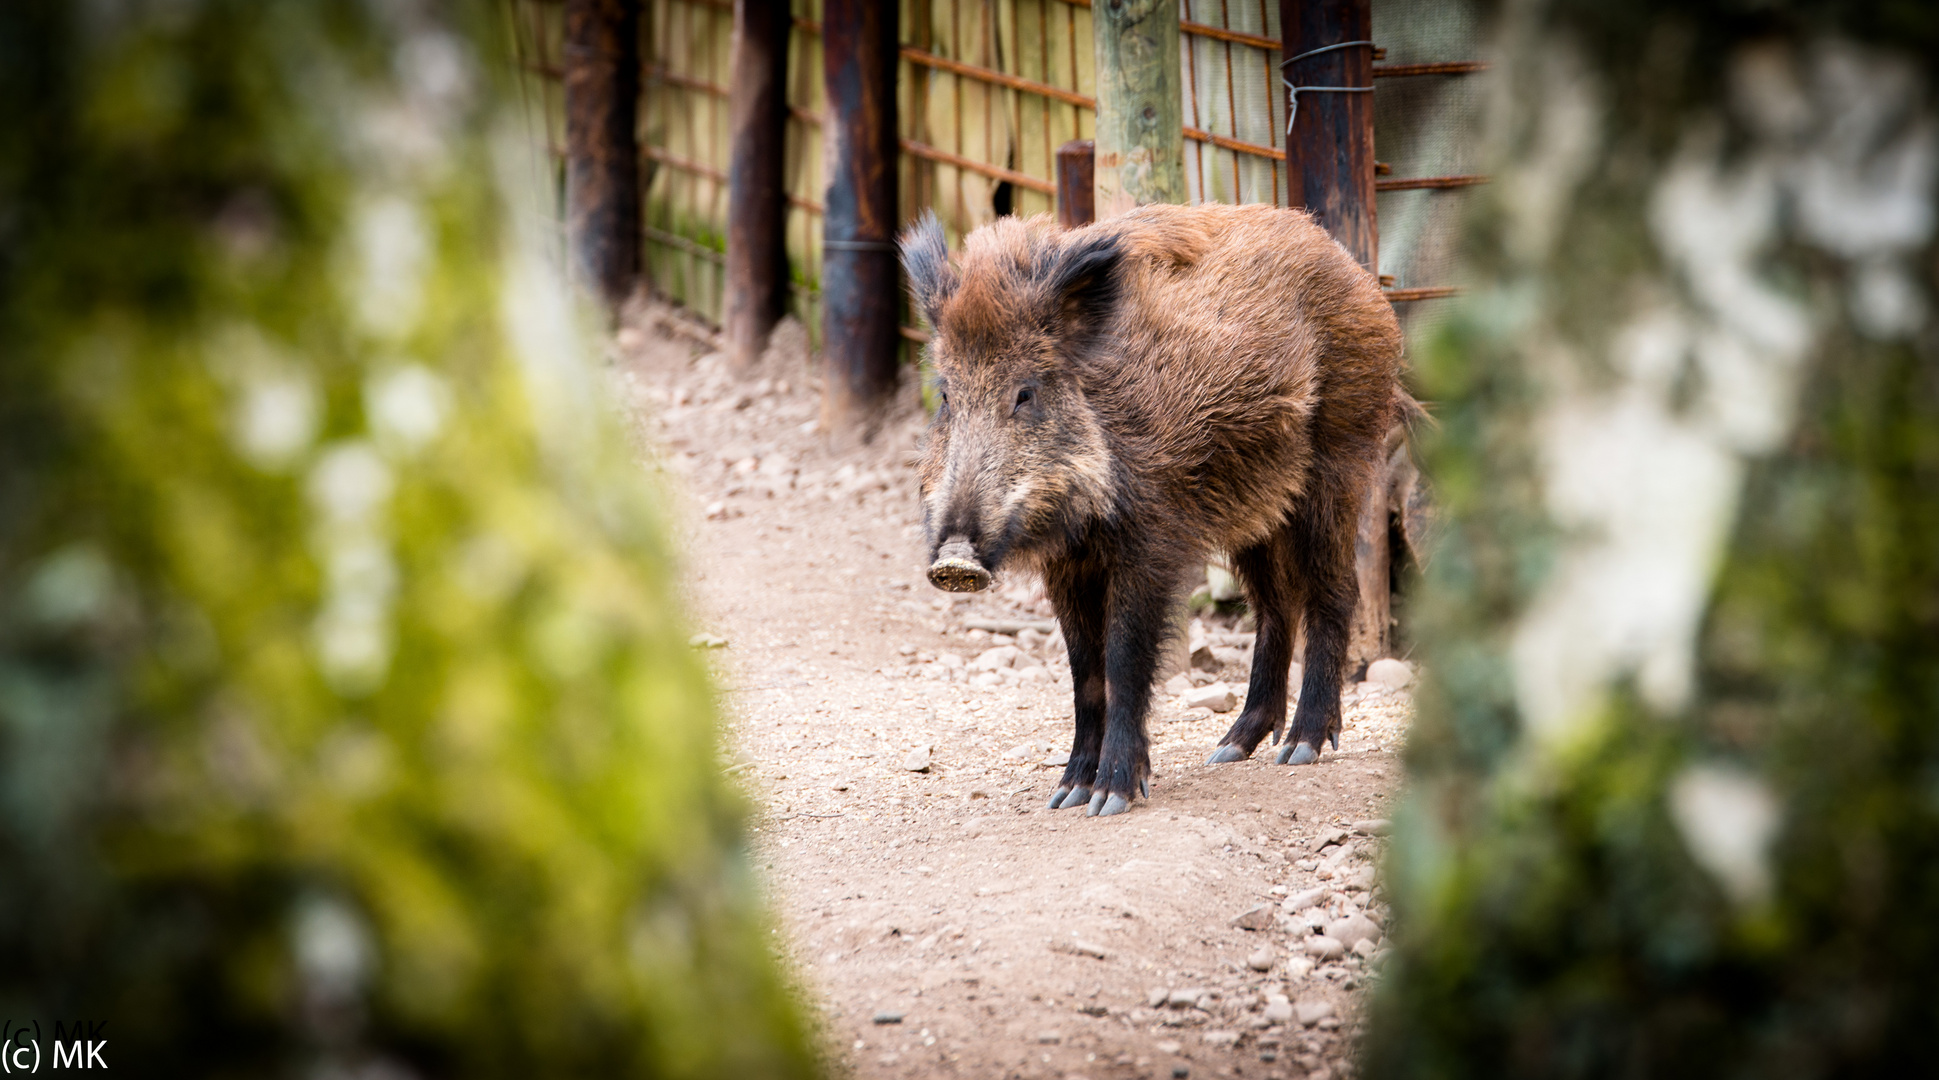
(602, 90)
(1330, 170)
(757, 196)
(860, 281)
(1076, 180)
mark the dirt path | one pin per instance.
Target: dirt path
(947, 922)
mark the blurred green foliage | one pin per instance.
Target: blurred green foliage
(1552, 919)
(345, 710)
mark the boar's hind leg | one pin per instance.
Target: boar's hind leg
(1079, 599)
(1274, 593)
(1322, 534)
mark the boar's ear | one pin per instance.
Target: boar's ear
(925, 258)
(1082, 285)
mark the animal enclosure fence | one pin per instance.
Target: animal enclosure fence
(988, 90)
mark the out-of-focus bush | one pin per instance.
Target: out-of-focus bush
(346, 721)
(1675, 804)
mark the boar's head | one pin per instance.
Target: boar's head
(1015, 460)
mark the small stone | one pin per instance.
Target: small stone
(707, 641)
(917, 760)
(1352, 930)
(1049, 1038)
(1178, 685)
(888, 1018)
(1158, 996)
(1221, 1038)
(1023, 751)
(1329, 837)
(1324, 947)
(1330, 1023)
(1390, 673)
(1365, 947)
(841, 785)
(1168, 1046)
(1298, 968)
(1373, 827)
(1202, 658)
(1178, 1072)
(1033, 673)
(952, 660)
(1259, 918)
(1261, 959)
(1185, 997)
(1279, 1012)
(1300, 901)
(1312, 1012)
(1228, 656)
(1002, 656)
(1057, 757)
(1093, 1008)
(1085, 948)
(1217, 697)
(1362, 879)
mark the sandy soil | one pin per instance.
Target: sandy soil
(946, 922)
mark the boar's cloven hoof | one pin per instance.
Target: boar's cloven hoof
(1293, 753)
(956, 568)
(1226, 753)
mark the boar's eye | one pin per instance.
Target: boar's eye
(1024, 397)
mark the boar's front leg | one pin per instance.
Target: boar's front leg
(1078, 594)
(1141, 604)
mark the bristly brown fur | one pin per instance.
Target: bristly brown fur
(1124, 398)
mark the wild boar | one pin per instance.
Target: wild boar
(1119, 400)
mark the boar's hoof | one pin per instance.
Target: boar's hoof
(1104, 805)
(1065, 798)
(1226, 753)
(957, 569)
(1301, 753)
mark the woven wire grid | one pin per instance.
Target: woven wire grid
(1426, 125)
(1231, 89)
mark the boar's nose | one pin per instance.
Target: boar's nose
(957, 569)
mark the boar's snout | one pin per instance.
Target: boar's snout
(957, 569)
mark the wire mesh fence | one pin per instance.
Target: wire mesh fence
(989, 89)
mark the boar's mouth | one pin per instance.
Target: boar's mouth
(957, 569)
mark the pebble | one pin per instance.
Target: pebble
(1279, 1011)
(1002, 656)
(1158, 996)
(1217, 697)
(1365, 947)
(1184, 998)
(1049, 1038)
(917, 760)
(1167, 1046)
(1300, 901)
(1312, 1012)
(1329, 837)
(1373, 827)
(1325, 948)
(888, 1018)
(707, 641)
(1298, 968)
(1259, 918)
(1352, 930)
(1221, 1038)
(1178, 685)
(1024, 751)
(1390, 673)
(1230, 656)
(1261, 959)
(841, 785)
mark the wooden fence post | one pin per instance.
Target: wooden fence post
(1330, 171)
(1076, 183)
(757, 197)
(1140, 133)
(860, 280)
(602, 89)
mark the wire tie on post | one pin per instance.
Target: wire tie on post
(1292, 92)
